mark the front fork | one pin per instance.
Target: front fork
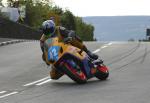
(95, 64)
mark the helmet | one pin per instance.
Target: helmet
(48, 27)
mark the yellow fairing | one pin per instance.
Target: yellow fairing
(65, 48)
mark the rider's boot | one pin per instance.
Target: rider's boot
(90, 54)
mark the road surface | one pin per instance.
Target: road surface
(24, 77)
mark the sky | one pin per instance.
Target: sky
(105, 7)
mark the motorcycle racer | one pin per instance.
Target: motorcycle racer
(50, 30)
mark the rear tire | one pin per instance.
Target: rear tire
(102, 72)
(79, 78)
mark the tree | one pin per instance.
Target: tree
(56, 12)
(36, 13)
(85, 31)
(1, 3)
(68, 20)
(16, 3)
(10, 3)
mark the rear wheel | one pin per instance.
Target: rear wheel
(102, 72)
(74, 73)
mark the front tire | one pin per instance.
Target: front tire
(102, 72)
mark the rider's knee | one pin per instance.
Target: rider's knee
(55, 74)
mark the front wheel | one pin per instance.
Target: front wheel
(75, 74)
(102, 72)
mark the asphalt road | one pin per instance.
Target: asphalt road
(24, 76)
(4, 39)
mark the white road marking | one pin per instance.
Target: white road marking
(97, 50)
(44, 82)
(6, 95)
(4, 42)
(3, 92)
(105, 46)
(36, 81)
(110, 43)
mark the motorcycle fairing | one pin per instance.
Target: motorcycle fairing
(87, 68)
(84, 64)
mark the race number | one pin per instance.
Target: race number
(53, 53)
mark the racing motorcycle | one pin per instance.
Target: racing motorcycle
(73, 62)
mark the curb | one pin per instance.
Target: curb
(11, 42)
(16, 41)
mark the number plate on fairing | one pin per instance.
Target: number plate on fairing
(53, 52)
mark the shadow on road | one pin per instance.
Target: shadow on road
(90, 83)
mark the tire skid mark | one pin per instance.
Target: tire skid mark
(145, 54)
(130, 52)
(131, 62)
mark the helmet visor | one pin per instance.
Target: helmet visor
(49, 31)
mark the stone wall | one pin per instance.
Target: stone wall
(10, 29)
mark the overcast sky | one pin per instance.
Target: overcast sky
(106, 7)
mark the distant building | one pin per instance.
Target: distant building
(11, 13)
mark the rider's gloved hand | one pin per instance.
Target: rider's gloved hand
(71, 34)
(68, 39)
